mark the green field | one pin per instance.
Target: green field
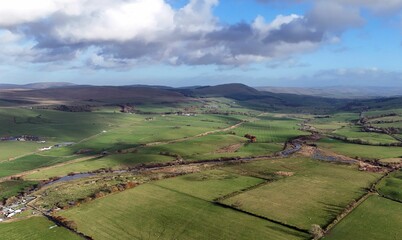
(315, 194)
(159, 129)
(35, 228)
(209, 185)
(333, 122)
(353, 133)
(376, 218)
(271, 129)
(203, 147)
(11, 150)
(332, 126)
(363, 151)
(373, 113)
(94, 132)
(55, 125)
(391, 186)
(29, 162)
(389, 125)
(149, 211)
(13, 187)
(387, 119)
(196, 193)
(258, 149)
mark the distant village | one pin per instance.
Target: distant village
(9, 211)
(23, 138)
(30, 138)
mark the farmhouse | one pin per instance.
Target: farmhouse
(46, 148)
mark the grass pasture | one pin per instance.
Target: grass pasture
(97, 131)
(198, 148)
(13, 187)
(391, 186)
(357, 150)
(57, 126)
(334, 122)
(202, 148)
(387, 119)
(353, 133)
(11, 150)
(244, 151)
(376, 218)
(152, 212)
(35, 228)
(180, 201)
(157, 129)
(271, 129)
(332, 126)
(389, 125)
(209, 185)
(373, 113)
(315, 194)
(28, 163)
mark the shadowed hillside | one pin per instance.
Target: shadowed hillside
(97, 94)
(242, 94)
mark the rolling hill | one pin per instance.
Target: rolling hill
(345, 92)
(244, 95)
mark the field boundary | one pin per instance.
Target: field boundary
(61, 224)
(389, 198)
(355, 203)
(262, 217)
(238, 210)
(232, 194)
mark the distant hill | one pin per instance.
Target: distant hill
(140, 94)
(244, 95)
(345, 92)
(41, 85)
(263, 100)
(100, 94)
(234, 90)
(375, 104)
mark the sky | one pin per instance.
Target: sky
(298, 43)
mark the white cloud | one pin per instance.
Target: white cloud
(261, 25)
(109, 20)
(21, 11)
(197, 16)
(118, 21)
(131, 31)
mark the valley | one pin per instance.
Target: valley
(222, 162)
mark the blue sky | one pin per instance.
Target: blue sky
(198, 42)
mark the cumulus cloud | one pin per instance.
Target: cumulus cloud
(20, 11)
(114, 33)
